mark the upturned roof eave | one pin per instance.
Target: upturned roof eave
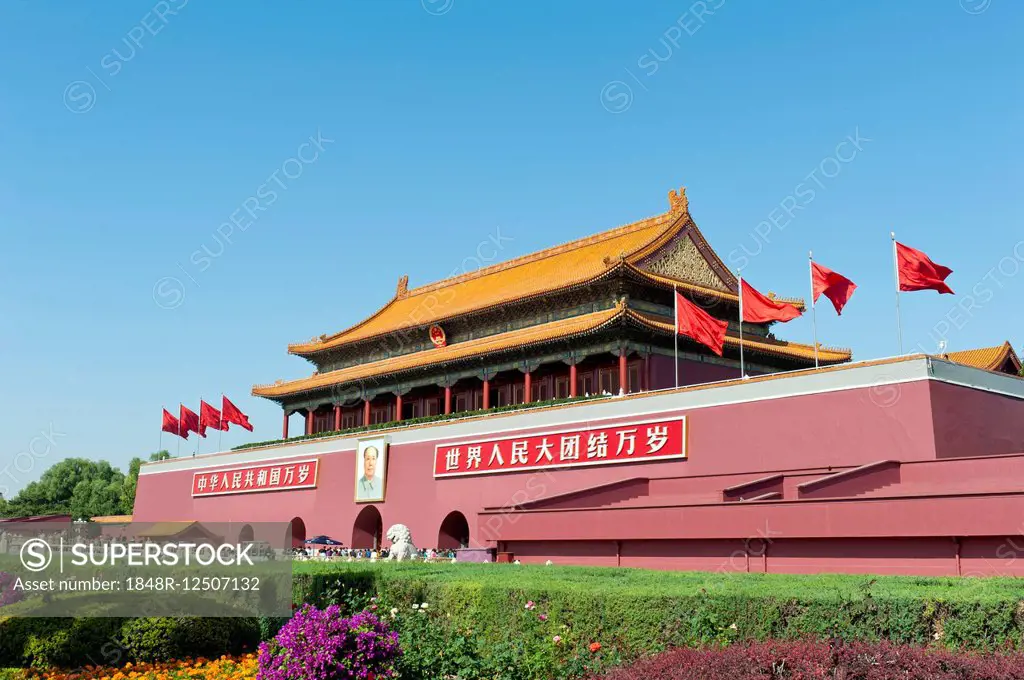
(610, 317)
(789, 351)
(677, 218)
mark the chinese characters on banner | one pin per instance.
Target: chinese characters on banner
(621, 443)
(300, 474)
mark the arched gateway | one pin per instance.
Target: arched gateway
(454, 532)
(298, 531)
(246, 535)
(368, 529)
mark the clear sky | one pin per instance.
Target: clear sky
(130, 133)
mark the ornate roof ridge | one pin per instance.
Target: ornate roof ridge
(545, 253)
(798, 302)
(296, 347)
(667, 280)
(972, 357)
(670, 222)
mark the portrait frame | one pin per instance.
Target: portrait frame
(370, 493)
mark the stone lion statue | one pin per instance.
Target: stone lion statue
(401, 543)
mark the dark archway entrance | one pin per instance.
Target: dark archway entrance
(298, 532)
(246, 534)
(454, 532)
(368, 529)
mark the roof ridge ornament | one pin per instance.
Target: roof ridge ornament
(677, 201)
(403, 286)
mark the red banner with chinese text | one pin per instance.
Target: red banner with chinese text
(301, 474)
(595, 445)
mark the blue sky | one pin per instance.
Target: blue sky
(130, 133)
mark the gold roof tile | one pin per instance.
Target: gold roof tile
(533, 335)
(555, 268)
(987, 358)
(553, 330)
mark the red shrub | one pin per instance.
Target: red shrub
(818, 660)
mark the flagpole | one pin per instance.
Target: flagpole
(743, 373)
(177, 453)
(814, 312)
(160, 446)
(675, 318)
(200, 424)
(896, 274)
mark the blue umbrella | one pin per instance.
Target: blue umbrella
(322, 540)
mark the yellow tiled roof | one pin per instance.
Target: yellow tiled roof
(988, 358)
(112, 519)
(793, 350)
(554, 330)
(547, 270)
(570, 264)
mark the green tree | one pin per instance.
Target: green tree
(131, 480)
(97, 497)
(79, 487)
(51, 494)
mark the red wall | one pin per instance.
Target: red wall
(845, 428)
(690, 372)
(678, 520)
(972, 422)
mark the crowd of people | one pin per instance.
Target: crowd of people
(323, 552)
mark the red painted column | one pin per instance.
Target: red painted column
(527, 388)
(487, 394)
(309, 421)
(366, 412)
(284, 430)
(572, 380)
(447, 399)
(623, 373)
(647, 372)
(337, 416)
(398, 408)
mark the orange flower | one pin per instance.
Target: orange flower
(595, 647)
(224, 668)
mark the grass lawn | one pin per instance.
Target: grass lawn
(642, 611)
(681, 583)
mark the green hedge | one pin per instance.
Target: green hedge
(635, 612)
(73, 643)
(423, 419)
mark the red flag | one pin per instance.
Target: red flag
(758, 308)
(835, 287)
(231, 414)
(695, 323)
(190, 422)
(918, 272)
(172, 425)
(209, 417)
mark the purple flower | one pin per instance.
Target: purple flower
(322, 645)
(543, 617)
(8, 595)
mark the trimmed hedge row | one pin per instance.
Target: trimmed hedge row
(636, 613)
(75, 643)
